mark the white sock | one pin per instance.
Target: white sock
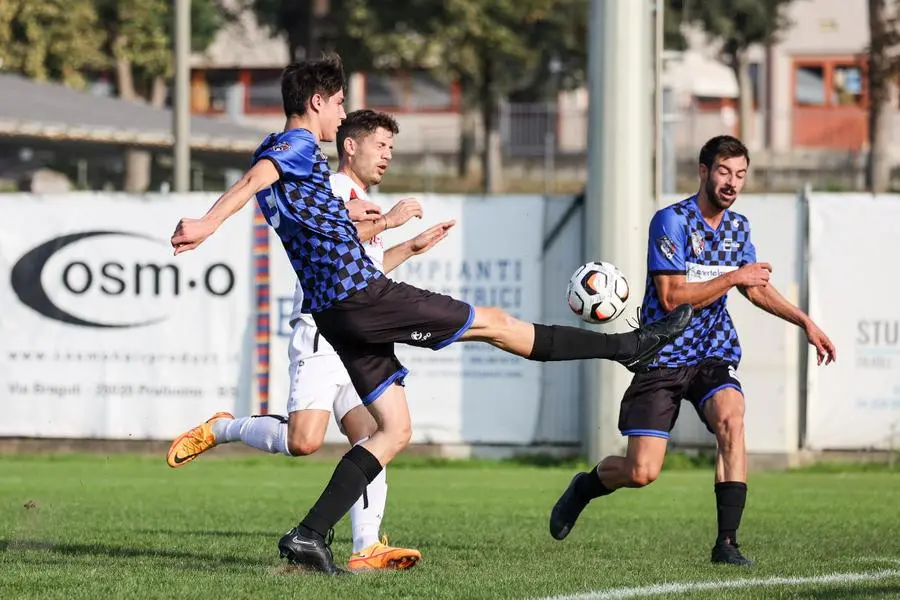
(263, 432)
(366, 514)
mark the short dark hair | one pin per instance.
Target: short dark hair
(362, 123)
(722, 146)
(301, 81)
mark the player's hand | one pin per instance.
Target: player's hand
(362, 210)
(824, 348)
(426, 240)
(754, 275)
(190, 233)
(402, 212)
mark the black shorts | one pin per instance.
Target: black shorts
(364, 327)
(651, 403)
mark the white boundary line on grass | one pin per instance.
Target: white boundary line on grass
(697, 586)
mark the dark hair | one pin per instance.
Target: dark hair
(301, 81)
(362, 123)
(722, 146)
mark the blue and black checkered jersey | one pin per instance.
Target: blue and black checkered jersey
(312, 222)
(682, 242)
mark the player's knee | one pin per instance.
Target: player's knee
(399, 434)
(403, 436)
(642, 474)
(493, 319)
(729, 426)
(299, 445)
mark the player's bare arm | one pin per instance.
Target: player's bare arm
(770, 300)
(425, 241)
(190, 233)
(399, 214)
(366, 216)
(371, 228)
(361, 210)
(402, 212)
(675, 289)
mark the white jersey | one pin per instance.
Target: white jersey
(344, 187)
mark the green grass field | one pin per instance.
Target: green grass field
(129, 527)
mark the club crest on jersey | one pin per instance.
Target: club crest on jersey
(280, 147)
(666, 246)
(697, 243)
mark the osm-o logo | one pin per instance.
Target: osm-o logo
(110, 279)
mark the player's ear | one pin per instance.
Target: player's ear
(703, 171)
(316, 101)
(349, 146)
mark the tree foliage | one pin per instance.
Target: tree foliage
(294, 18)
(519, 42)
(491, 48)
(673, 21)
(63, 41)
(737, 25)
(883, 68)
(139, 33)
(55, 40)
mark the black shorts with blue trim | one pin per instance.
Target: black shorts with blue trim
(651, 403)
(364, 327)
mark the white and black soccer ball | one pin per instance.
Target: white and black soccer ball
(597, 292)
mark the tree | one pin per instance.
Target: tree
(738, 25)
(673, 19)
(138, 38)
(493, 48)
(302, 21)
(883, 68)
(490, 48)
(52, 40)
(67, 40)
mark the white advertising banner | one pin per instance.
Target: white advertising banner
(104, 333)
(464, 393)
(855, 402)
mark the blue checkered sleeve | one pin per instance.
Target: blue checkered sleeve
(748, 251)
(667, 241)
(293, 155)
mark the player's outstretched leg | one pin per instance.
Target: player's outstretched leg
(651, 338)
(638, 468)
(268, 433)
(194, 442)
(569, 506)
(635, 349)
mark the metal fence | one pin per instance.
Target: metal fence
(545, 144)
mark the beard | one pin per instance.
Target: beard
(717, 200)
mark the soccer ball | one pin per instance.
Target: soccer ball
(597, 292)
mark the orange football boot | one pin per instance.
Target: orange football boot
(194, 442)
(381, 556)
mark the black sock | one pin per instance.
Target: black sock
(590, 487)
(356, 470)
(559, 342)
(730, 499)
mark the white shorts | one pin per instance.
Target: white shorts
(319, 380)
